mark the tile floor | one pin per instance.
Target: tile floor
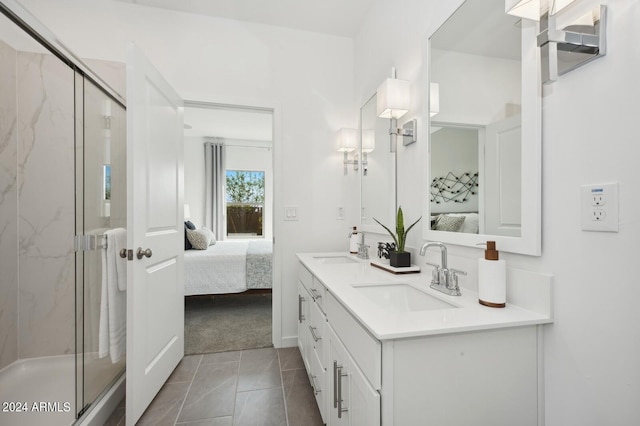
(251, 387)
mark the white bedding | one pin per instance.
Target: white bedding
(222, 268)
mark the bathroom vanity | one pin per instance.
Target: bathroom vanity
(385, 349)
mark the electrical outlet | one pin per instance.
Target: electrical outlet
(599, 215)
(599, 207)
(598, 199)
(340, 215)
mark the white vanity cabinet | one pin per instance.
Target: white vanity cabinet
(488, 374)
(312, 338)
(353, 400)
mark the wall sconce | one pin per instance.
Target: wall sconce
(347, 142)
(393, 101)
(368, 145)
(434, 99)
(563, 50)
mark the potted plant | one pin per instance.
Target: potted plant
(399, 257)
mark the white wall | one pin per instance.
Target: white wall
(592, 351)
(307, 77)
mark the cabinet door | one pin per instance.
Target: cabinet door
(353, 400)
(304, 318)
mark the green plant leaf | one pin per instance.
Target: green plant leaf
(395, 240)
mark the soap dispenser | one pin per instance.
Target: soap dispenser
(353, 241)
(492, 278)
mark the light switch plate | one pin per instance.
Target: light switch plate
(291, 213)
(599, 207)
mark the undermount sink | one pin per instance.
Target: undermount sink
(401, 298)
(333, 259)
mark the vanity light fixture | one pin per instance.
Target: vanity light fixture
(393, 99)
(368, 145)
(563, 50)
(347, 142)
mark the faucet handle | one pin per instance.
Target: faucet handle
(435, 265)
(457, 271)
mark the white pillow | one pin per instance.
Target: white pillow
(470, 224)
(200, 239)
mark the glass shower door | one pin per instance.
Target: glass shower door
(103, 211)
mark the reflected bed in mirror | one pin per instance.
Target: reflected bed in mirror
(484, 146)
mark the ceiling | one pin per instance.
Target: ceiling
(335, 17)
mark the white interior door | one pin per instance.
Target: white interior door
(503, 177)
(155, 302)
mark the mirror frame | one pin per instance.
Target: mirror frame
(529, 242)
(369, 228)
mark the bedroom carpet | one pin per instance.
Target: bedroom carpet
(227, 323)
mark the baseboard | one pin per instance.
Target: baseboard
(287, 342)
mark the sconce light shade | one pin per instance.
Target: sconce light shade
(368, 140)
(434, 98)
(533, 9)
(393, 98)
(187, 212)
(347, 140)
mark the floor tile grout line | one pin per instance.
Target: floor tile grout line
(284, 395)
(233, 412)
(188, 389)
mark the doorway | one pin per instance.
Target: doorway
(229, 285)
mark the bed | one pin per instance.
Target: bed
(228, 267)
(466, 222)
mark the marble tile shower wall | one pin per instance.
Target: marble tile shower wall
(8, 208)
(46, 206)
(37, 181)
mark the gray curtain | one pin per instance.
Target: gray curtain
(215, 182)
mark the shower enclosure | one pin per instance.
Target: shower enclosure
(62, 186)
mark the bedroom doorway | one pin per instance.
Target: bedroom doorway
(229, 189)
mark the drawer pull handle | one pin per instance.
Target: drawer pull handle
(312, 379)
(315, 294)
(335, 384)
(339, 396)
(300, 316)
(313, 334)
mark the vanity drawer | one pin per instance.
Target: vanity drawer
(305, 276)
(317, 331)
(363, 348)
(318, 292)
(318, 379)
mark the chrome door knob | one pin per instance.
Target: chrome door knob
(141, 253)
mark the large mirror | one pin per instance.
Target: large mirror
(483, 160)
(378, 171)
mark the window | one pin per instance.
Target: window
(245, 203)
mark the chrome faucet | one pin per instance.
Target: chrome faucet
(363, 249)
(442, 278)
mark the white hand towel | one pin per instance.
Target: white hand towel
(117, 240)
(113, 305)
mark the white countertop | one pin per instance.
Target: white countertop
(468, 315)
